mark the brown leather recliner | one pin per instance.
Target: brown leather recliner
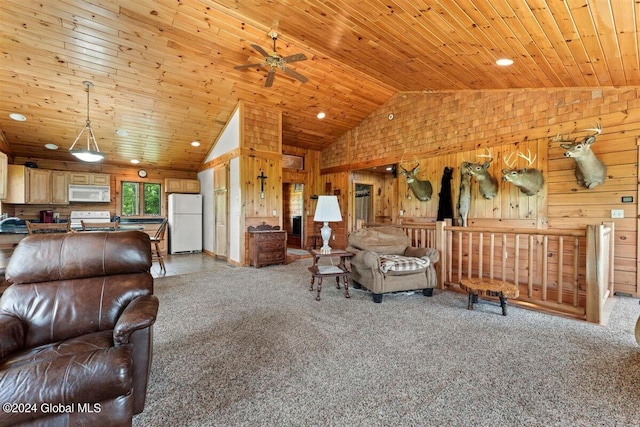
(76, 329)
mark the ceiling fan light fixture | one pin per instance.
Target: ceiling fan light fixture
(275, 61)
(92, 152)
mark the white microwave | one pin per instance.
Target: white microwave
(89, 193)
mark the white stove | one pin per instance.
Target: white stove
(88, 217)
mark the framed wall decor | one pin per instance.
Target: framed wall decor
(290, 161)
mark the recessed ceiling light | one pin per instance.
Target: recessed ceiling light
(390, 168)
(135, 161)
(195, 143)
(122, 132)
(321, 115)
(504, 62)
(51, 146)
(18, 117)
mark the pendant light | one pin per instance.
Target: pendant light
(92, 152)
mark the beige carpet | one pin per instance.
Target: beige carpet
(247, 347)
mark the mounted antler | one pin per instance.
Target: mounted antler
(529, 181)
(528, 157)
(590, 171)
(507, 161)
(489, 154)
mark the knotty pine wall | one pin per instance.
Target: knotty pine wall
(446, 128)
(118, 173)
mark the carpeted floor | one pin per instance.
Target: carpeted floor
(247, 347)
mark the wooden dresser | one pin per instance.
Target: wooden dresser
(267, 245)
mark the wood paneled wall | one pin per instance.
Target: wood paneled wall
(446, 128)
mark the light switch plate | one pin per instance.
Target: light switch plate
(617, 213)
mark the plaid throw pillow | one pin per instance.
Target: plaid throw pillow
(402, 263)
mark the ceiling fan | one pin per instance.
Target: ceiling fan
(274, 61)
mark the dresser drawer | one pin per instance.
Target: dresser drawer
(270, 237)
(270, 257)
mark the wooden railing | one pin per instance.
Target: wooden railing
(565, 271)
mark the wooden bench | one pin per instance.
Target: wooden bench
(482, 286)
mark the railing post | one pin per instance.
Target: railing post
(594, 291)
(612, 245)
(441, 246)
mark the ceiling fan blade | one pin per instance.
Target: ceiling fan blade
(270, 76)
(260, 50)
(295, 58)
(295, 75)
(242, 67)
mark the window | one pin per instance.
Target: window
(140, 198)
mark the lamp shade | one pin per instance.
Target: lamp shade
(327, 209)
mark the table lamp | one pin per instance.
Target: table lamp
(327, 210)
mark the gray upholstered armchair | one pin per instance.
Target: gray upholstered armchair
(385, 262)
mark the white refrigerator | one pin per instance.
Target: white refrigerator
(185, 223)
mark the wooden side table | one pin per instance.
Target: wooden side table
(489, 287)
(338, 271)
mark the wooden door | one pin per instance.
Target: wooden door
(220, 180)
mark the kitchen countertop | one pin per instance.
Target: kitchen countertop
(13, 229)
(125, 224)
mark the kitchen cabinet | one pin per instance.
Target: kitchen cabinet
(3, 175)
(8, 241)
(36, 186)
(59, 188)
(87, 178)
(177, 185)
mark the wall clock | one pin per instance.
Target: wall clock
(142, 173)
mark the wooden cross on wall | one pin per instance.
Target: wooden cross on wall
(262, 177)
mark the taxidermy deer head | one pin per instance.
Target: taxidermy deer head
(488, 184)
(421, 189)
(590, 171)
(528, 180)
(464, 196)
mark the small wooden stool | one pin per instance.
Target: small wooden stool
(477, 286)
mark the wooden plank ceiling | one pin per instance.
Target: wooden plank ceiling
(163, 69)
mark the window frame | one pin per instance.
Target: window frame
(141, 201)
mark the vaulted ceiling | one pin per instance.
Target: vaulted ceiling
(163, 70)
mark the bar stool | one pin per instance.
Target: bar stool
(157, 239)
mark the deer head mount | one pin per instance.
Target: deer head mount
(528, 180)
(421, 189)
(488, 184)
(464, 195)
(590, 171)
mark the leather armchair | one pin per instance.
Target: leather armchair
(76, 329)
(370, 269)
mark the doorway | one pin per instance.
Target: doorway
(292, 213)
(363, 205)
